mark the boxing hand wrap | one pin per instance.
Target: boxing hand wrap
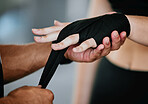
(96, 28)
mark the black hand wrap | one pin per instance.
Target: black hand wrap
(96, 28)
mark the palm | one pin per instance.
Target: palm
(86, 56)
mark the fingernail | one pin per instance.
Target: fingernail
(107, 41)
(123, 34)
(55, 21)
(115, 34)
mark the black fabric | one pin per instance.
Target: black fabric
(65, 61)
(97, 28)
(116, 85)
(131, 7)
(1, 82)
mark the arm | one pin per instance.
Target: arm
(21, 60)
(89, 55)
(138, 24)
(139, 29)
(85, 71)
(138, 34)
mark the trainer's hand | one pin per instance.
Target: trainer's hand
(79, 52)
(31, 95)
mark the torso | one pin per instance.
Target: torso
(131, 55)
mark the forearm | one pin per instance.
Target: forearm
(21, 60)
(139, 29)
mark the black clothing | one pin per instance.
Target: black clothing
(116, 85)
(96, 28)
(1, 82)
(131, 7)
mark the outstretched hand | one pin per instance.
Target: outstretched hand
(83, 52)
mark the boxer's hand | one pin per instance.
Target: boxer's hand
(79, 52)
(31, 95)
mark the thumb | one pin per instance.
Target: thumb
(39, 86)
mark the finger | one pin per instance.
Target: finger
(39, 86)
(47, 30)
(72, 39)
(57, 23)
(115, 40)
(47, 38)
(85, 45)
(96, 53)
(122, 37)
(107, 46)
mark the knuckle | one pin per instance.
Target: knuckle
(105, 54)
(116, 46)
(73, 38)
(107, 47)
(98, 53)
(61, 44)
(93, 42)
(117, 40)
(81, 47)
(50, 94)
(87, 43)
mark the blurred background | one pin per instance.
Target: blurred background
(18, 17)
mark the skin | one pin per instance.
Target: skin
(130, 55)
(141, 36)
(19, 61)
(28, 95)
(90, 43)
(76, 52)
(88, 55)
(33, 56)
(133, 55)
(84, 52)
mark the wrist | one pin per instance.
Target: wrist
(131, 25)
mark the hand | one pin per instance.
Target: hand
(31, 95)
(79, 52)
